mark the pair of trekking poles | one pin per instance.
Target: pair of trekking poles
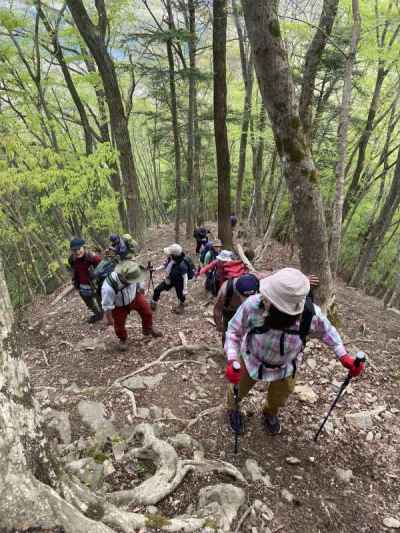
(360, 358)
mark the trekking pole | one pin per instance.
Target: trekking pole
(151, 281)
(360, 358)
(237, 424)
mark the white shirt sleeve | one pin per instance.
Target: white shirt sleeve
(107, 297)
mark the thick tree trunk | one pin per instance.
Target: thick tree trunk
(94, 37)
(343, 126)
(220, 113)
(278, 93)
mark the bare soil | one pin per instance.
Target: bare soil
(52, 343)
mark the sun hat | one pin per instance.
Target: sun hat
(75, 244)
(217, 243)
(225, 255)
(173, 249)
(247, 284)
(286, 289)
(130, 272)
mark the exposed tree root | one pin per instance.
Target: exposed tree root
(171, 470)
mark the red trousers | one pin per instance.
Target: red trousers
(120, 314)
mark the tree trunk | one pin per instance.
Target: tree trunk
(220, 113)
(191, 203)
(258, 156)
(343, 126)
(378, 231)
(247, 75)
(94, 37)
(175, 127)
(278, 93)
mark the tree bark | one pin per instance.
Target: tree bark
(94, 37)
(343, 126)
(220, 113)
(378, 231)
(278, 93)
(175, 126)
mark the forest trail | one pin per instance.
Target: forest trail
(348, 482)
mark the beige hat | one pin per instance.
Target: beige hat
(130, 272)
(217, 243)
(286, 289)
(173, 249)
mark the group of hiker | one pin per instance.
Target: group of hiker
(264, 318)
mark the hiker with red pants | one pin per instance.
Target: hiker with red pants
(81, 263)
(122, 292)
(266, 338)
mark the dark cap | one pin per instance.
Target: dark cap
(75, 244)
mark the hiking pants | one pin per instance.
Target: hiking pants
(120, 314)
(92, 303)
(277, 394)
(177, 283)
(226, 317)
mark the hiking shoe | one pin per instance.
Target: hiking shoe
(236, 421)
(122, 346)
(152, 333)
(179, 309)
(153, 305)
(95, 318)
(272, 424)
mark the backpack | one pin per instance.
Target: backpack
(229, 293)
(212, 283)
(207, 248)
(131, 244)
(191, 267)
(304, 330)
(233, 269)
(113, 284)
(103, 269)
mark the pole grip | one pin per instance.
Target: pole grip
(360, 358)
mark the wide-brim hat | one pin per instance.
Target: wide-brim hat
(217, 243)
(173, 249)
(286, 289)
(225, 255)
(131, 272)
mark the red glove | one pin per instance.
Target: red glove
(349, 362)
(233, 372)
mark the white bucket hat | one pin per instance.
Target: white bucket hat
(173, 249)
(225, 255)
(286, 289)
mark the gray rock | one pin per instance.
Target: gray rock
(182, 440)
(287, 496)
(155, 412)
(93, 415)
(73, 388)
(256, 473)
(91, 344)
(344, 475)
(118, 449)
(143, 412)
(151, 509)
(306, 393)
(391, 522)
(266, 512)
(362, 420)
(88, 471)
(222, 502)
(59, 420)
(108, 468)
(293, 460)
(370, 436)
(141, 382)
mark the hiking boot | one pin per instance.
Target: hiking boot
(95, 318)
(153, 305)
(121, 346)
(236, 421)
(152, 333)
(272, 424)
(179, 309)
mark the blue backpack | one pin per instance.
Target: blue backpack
(103, 269)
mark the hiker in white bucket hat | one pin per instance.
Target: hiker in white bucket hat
(265, 341)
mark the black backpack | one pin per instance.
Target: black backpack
(191, 267)
(302, 332)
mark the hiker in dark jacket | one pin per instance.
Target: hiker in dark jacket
(122, 292)
(118, 246)
(81, 263)
(201, 236)
(177, 277)
(263, 342)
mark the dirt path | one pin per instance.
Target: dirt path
(70, 360)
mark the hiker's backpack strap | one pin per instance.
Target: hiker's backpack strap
(113, 284)
(306, 319)
(229, 293)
